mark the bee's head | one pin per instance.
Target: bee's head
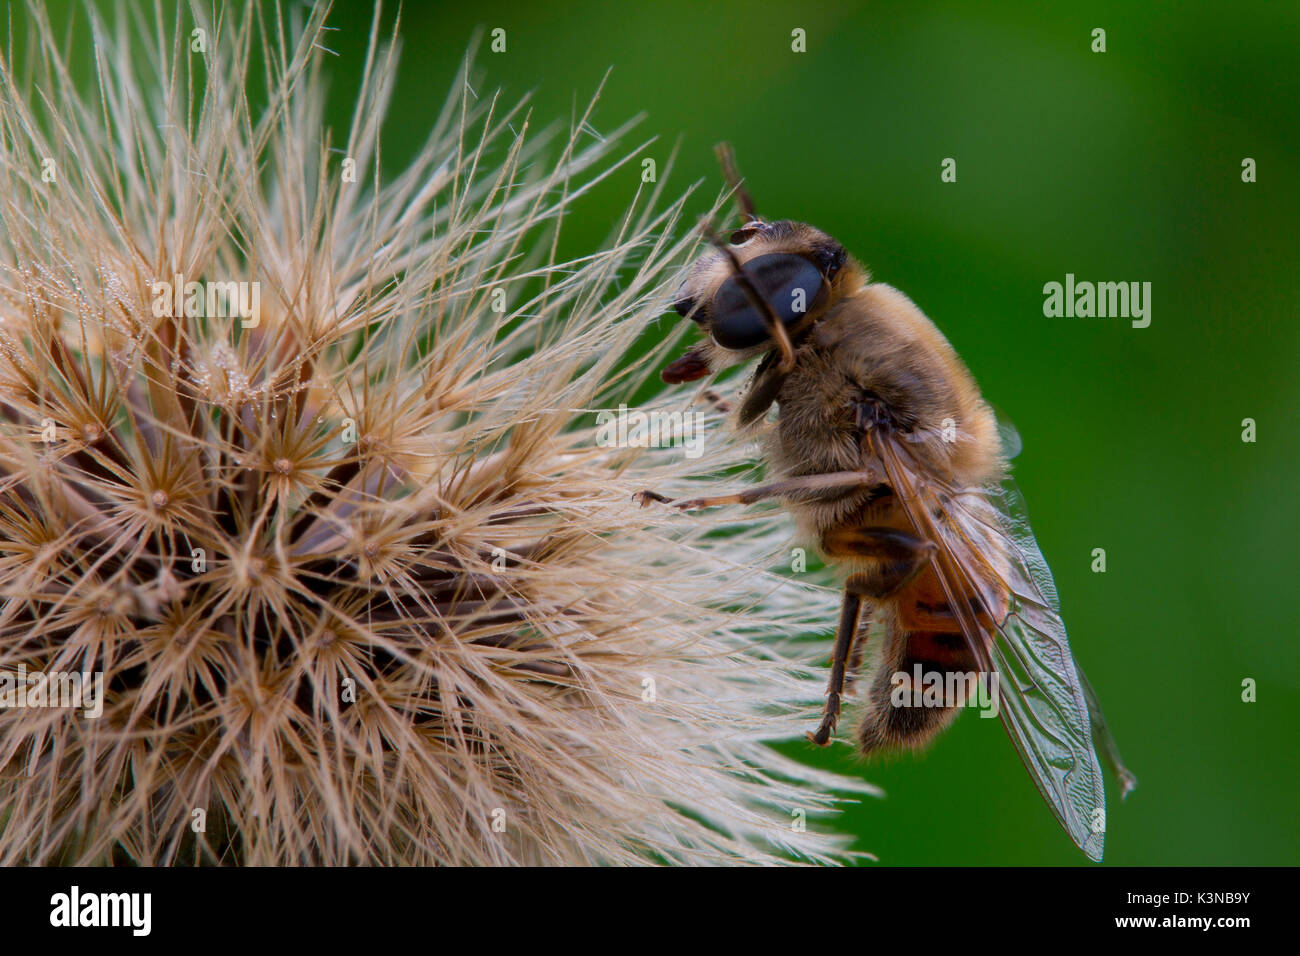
(797, 270)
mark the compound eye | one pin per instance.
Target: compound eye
(791, 285)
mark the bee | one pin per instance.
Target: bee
(893, 464)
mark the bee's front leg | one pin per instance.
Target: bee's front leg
(644, 497)
(793, 486)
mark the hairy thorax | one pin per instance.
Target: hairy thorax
(876, 347)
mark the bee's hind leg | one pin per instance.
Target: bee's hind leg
(900, 557)
(850, 611)
(855, 656)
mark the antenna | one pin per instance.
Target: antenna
(727, 160)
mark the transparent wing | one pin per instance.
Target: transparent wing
(1007, 435)
(986, 548)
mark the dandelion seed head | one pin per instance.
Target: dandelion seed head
(363, 585)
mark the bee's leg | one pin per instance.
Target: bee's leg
(855, 658)
(898, 557)
(719, 403)
(762, 393)
(643, 498)
(848, 630)
(832, 480)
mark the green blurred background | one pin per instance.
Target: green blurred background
(1116, 166)
(1123, 165)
